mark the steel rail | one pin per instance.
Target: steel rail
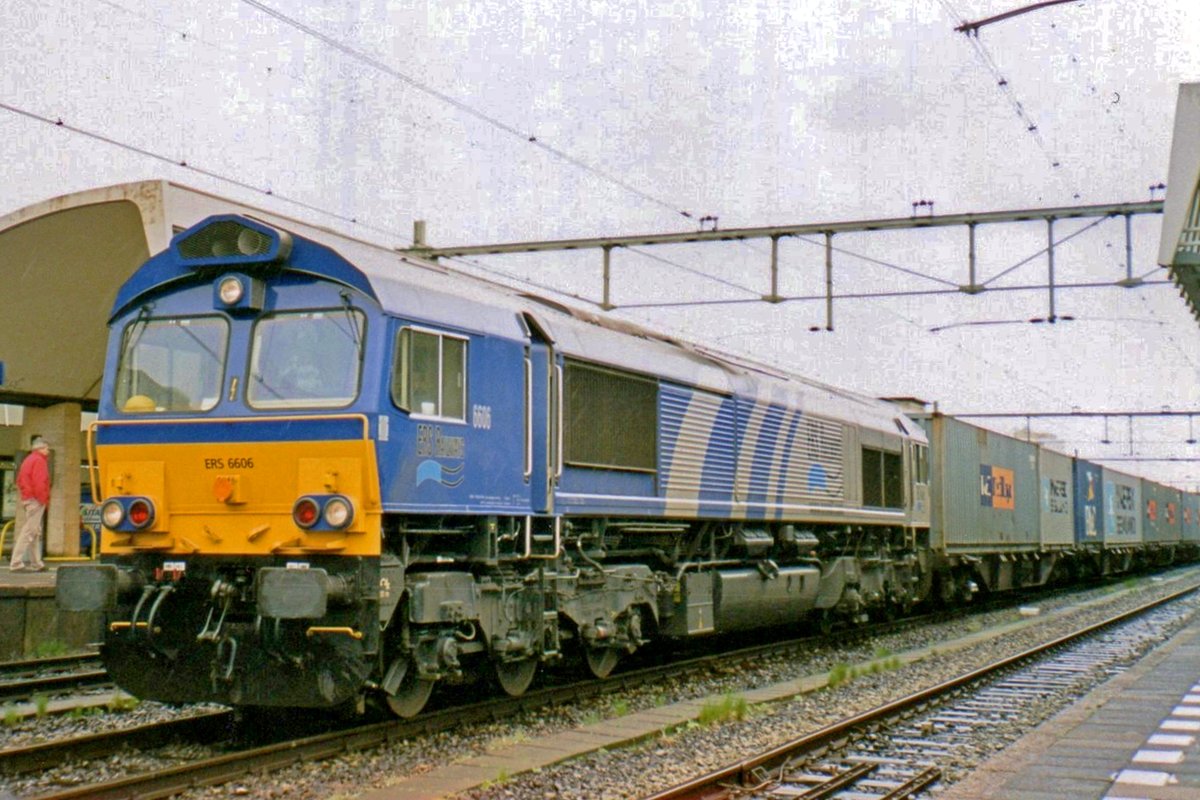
(31, 665)
(742, 773)
(25, 689)
(45, 755)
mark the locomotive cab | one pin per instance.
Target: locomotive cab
(235, 457)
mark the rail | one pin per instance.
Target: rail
(744, 773)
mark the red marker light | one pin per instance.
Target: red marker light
(140, 514)
(306, 512)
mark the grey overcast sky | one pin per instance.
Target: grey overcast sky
(757, 113)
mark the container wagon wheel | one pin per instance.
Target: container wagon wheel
(412, 693)
(601, 660)
(515, 677)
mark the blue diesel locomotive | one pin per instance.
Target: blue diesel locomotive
(327, 481)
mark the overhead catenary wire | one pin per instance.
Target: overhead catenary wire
(341, 47)
(1043, 251)
(492, 120)
(183, 163)
(1006, 89)
(879, 295)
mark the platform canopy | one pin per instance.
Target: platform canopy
(1179, 249)
(61, 263)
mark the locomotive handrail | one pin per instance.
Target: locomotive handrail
(558, 466)
(93, 478)
(528, 418)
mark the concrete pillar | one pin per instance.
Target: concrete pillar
(59, 425)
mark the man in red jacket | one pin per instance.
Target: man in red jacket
(33, 482)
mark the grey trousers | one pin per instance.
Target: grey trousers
(27, 548)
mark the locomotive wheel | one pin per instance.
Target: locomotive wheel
(515, 677)
(601, 660)
(411, 696)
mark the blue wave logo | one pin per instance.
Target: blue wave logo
(430, 470)
(818, 480)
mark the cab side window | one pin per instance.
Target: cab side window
(429, 374)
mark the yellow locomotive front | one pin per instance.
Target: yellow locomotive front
(240, 553)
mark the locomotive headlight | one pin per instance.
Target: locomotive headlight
(306, 512)
(251, 242)
(230, 290)
(112, 514)
(338, 512)
(237, 292)
(141, 513)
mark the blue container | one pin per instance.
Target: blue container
(1089, 503)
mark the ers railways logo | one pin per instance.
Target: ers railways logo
(996, 488)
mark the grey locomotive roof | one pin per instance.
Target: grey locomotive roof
(428, 292)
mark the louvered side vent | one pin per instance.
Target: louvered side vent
(699, 453)
(609, 419)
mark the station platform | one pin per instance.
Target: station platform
(1136, 737)
(31, 624)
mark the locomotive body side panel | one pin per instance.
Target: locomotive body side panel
(733, 458)
(464, 455)
(697, 452)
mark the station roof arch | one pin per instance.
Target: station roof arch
(62, 261)
(1179, 248)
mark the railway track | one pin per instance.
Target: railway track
(230, 766)
(21, 681)
(897, 750)
(209, 727)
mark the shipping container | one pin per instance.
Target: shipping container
(1160, 513)
(1190, 517)
(1089, 503)
(1122, 509)
(984, 489)
(1057, 510)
